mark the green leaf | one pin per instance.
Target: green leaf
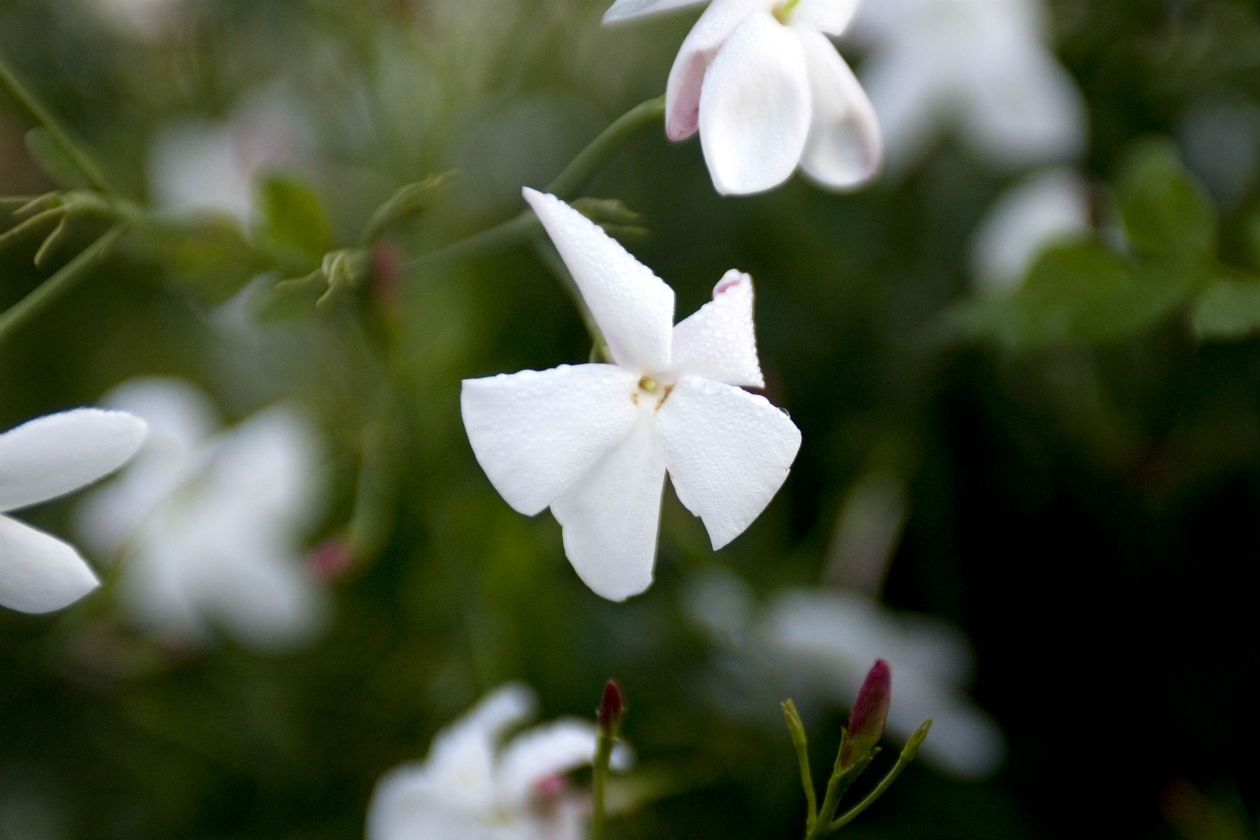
(1080, 292)
(294, 216)
(1227, 310)
(409, 200)
(1166, 210)
(212, 258)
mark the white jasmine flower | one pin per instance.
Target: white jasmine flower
(981, 66)
(41, 460)
(1047, 207)
(470, 788)
(209, 525)
(593, 442)
(831, 638)
(768, 92)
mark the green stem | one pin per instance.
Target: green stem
(589, 159)
(59, 135)
(599, 780)
(59, 283)
(796, 731)
(907, 755)
(573, 176)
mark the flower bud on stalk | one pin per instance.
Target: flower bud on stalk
(870, 710)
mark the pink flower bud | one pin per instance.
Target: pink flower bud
(611, 708)
(870, 710)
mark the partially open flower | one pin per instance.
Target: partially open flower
(593, 442)
(41, 460)
(768, 92)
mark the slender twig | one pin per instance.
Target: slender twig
(907, 755)
(59, 283)
(60, 135)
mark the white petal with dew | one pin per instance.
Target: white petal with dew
(830, 16)
(537, 433)
(553, 748)
(52, 455)
(627, 9)
(610, 518)
(682, 91)
(844, 148)
(728, 453)
(632, 306)
(755, 107)
(717, 341)
(39, 573)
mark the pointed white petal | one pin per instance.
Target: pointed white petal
(1025, 108)
(52, 455)
(830, 16)
(543, 751)
(728, 452)
(682, 91)
(717, 341)
(844, 148)
(537, 433)
(633, 307)
(755, 107)
(39, 573)
(627, 9)
(610, 517)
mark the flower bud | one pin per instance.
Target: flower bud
(611, 709)
(870, 710)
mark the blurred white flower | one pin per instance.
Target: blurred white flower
(40, 460)
(594, 441)
(768, 92)
(472, 789)
(145, 20)
(209, 525)
(829, 640)
(981, 66)
(199, 165)
(1045, 208)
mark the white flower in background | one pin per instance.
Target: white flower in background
(1045, 208)
(208, 525)
(199, 165)
(981, 66)
(830, 639)
(594, 441)
(768, 92)
(472, 788)
(40, 460)
(145, 20)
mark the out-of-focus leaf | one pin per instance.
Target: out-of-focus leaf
(1078, 292)
(1227, 309)
(212, 258)
(53, 161)
(1166, 210)
(409, 200)
(294, 215)
(291, 298)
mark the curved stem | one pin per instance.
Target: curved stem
(59, 135)
(59, 283)
(908, 753)
(589, 159)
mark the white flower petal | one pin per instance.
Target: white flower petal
(543, 751)
(728, 452)
(682, 91)
(844, 148)
(633, 307)
(830, 16)
(1025, 108)
(610, 517)
(537, 433)
(52, 455)
(39, 573)
(755, 107)
(460, 764)
(717, 341)
(627, 9)
(405, 805)
(156, 588)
